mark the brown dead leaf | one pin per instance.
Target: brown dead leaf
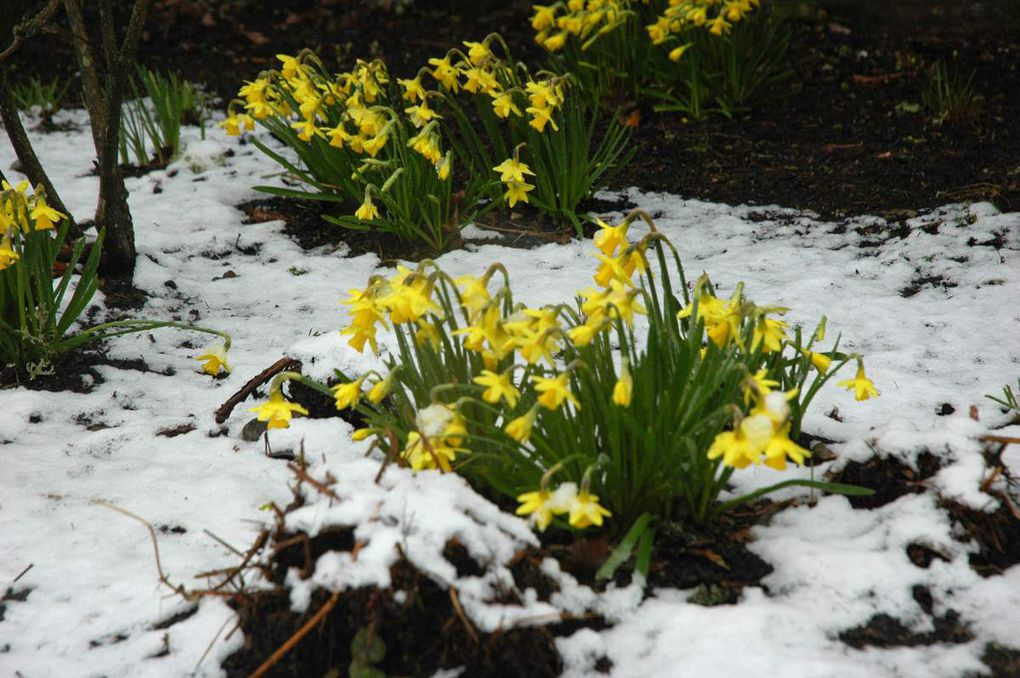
(632, 120)
(257, 37)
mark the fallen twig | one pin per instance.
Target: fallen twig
(296, 638)
(879, 79)
(999, 439)
(180, 590)
(460, 614)
(23, 573)
(304, 477)
(281, 365)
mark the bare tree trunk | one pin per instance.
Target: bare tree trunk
(90, 80)
(113, 212)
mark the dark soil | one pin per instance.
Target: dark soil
(883, 630)
(416, 619)
(997, 535)
(76, 372)
(888, 477)
(714, 561)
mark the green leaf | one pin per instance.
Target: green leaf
(622, 552)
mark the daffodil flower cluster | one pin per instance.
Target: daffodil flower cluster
(22, 213)
(716, 16)
(588, 20)
(637, 49)
(639, 398)
(583, 20)
(370, 138)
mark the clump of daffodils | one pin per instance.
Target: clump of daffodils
(39, 305)
(586, 21)
(572, 409)
(389, 146)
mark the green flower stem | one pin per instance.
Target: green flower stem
(119, 327)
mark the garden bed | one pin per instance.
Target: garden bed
(307, 550)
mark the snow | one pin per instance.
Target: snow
(94, 598)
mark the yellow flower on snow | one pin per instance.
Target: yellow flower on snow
(215, 360)
(862, 387)
(277, 411)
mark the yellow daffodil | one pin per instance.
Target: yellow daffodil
(497, 387)
(277, 410)
(382, 388)
(478, 52)
(780, 447)
(610, 238)
(538, 505)
(544, 17)
(214, 359)
(520, 428)
(413, 91)
(554, 391)
(511, 170)
(44, 216)
(584, 334)
(862, 387)
(623, 391)
(368, 210)
(445, 73)
(8, 257)
(586, 511)
(821, 361)
(517, 191)
(307, 129)
(503, 105)
(443, 166)
(348, 394)
(769, 334)
(421, 114)
(540, 117)
(479, 80)
(677, 53)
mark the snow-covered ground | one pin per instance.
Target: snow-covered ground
(94, 600)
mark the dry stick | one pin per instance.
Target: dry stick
(999, 439)
(460, 614)
(281, 365)
(223, 543)
(322, 488)
(255, 548)
(212, 642)
(23, 573)
(155, 544)
(296, 638)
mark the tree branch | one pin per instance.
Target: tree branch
(28, 28)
